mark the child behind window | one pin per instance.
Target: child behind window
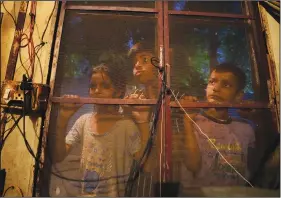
(109, 140)
(231, 137)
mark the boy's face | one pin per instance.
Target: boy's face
(101, 86)
(223, 87)
(143, 69)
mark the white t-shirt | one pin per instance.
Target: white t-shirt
(106, 158)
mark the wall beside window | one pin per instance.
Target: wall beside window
(16, 159)
(274, 35)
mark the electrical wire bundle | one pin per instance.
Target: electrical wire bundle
(32, 54)
(138, 165)
(28, 36)
(5, 133)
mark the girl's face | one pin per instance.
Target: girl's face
(143, 69)
(101, 86)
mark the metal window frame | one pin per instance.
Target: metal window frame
(44, 176)
(253, 37)
(163, 13)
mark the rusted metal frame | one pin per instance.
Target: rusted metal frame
(210, 14)
(256, 81)
(213, 22)
(252, 52)
(249, 9)
(168, 126)
(265, 88)
(110, 8)
(270, 59)
(86, 100)
(161, 121)
(254, 105)
(274, 85)
(16, 42)
(46, 170)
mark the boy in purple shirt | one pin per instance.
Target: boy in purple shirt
(232, 138)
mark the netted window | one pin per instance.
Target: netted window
(113, 105)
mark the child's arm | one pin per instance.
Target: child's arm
(140, 115)
(61, 148)
(192, 151)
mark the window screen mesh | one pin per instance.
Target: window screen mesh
(197, 45)
(101, 39)
(94, 62)
(247, 125)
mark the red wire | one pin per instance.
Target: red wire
(31, 49)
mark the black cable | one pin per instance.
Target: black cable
(2, 125)
(62, 177)
(11, 129)
(40, 66)
(36, 159)
(26, 71)
(4, 137)
(9, 13)
(136, 167)
(42, 38)
(130, 179)
(25, 140)
(52, 50)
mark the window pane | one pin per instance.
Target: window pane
(231, 7)
(198, 45)
(243, 142)
(90, 38)
(140, 4)
(106, 149)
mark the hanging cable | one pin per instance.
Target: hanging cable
(238, 173)
(31, 48)
(18, 189)
(15, 23)
(138, 165)
(48, 157)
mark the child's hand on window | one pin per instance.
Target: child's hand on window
(192, 113)
(139, 113)
(68, 109)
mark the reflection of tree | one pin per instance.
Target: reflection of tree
(208, 6)
(202, 48)
(86, 36)
(233, 46)
(185, 76)
(214, 44)
(75, 65)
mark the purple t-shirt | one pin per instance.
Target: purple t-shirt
(232, 140)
